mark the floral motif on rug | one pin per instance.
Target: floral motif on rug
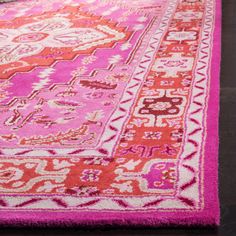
(109, 112)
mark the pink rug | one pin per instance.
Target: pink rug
(109, 112)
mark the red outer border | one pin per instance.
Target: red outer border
(210, 214)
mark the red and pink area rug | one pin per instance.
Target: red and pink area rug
(109, 112)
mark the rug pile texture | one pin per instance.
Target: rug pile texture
(109, 112)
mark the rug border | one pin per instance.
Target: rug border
(209, 216)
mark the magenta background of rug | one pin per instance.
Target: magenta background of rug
(209, 216)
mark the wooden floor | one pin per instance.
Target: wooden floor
(227, 168)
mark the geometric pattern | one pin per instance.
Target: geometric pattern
(105, 109)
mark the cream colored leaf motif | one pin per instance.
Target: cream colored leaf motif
(17, 184)
(123, 187)
(130, 165)
(61, 164)
(125, 46)
(115, 59)
(95, 116)
(48, 187)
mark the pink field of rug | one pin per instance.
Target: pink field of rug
(109, 112)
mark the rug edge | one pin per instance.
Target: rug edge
(210, 216)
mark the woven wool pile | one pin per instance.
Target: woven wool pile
(109, 112)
